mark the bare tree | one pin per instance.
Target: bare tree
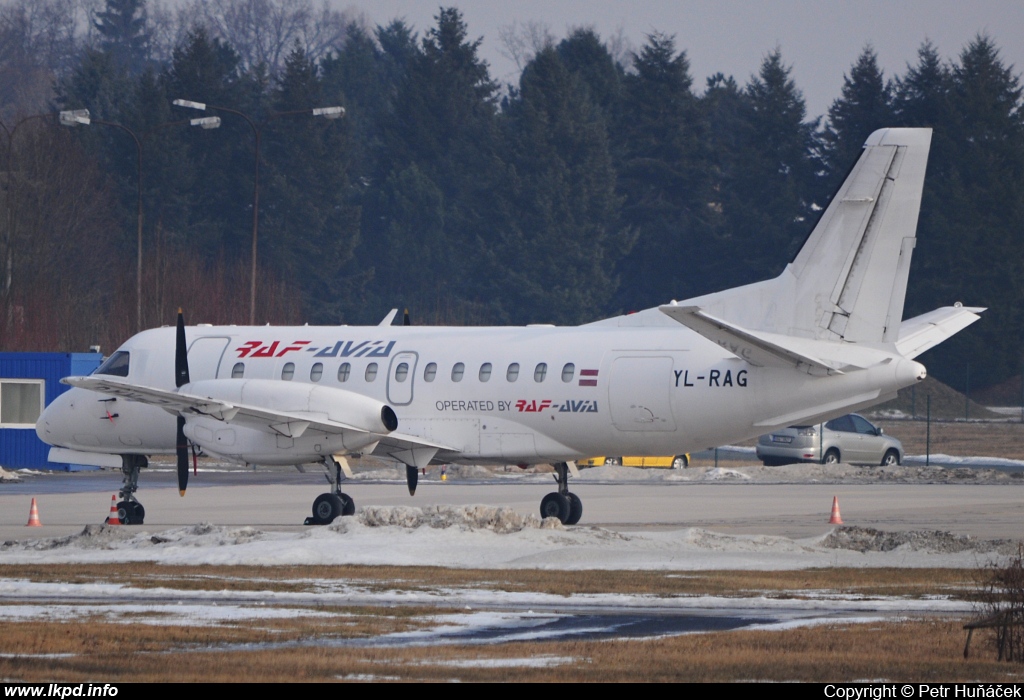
(39, 41)
(264, 32)
(520, 42)
(57, 219)
(1001, 607)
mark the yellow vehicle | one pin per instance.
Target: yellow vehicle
(673, 462)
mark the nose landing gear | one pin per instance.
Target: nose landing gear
(129, 510)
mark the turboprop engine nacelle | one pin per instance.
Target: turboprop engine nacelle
(284, 434)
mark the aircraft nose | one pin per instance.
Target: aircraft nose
(51, 424)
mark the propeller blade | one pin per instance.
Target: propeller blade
(181, 378)
(412, 477)
(405, 320)
(182, 444)
(180, 354)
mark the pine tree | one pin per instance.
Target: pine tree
(970, 245)
(864, 105)
(583, 53)
(310, 225)
(124, 35)
(767, 196)
(560, 236)
(440, 140)
(663, 176)
(218, 207)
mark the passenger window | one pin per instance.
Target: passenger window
(344, 371)
(568, 371)
(238, 371)
(485, 372)
(371, 371)
(288, 371)
(116, 365)
(402, 372)
(430, 372)
(457, 371)
(540, 372)
(316, 372)
(513, 372)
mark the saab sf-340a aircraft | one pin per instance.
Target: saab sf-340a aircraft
(822, 339)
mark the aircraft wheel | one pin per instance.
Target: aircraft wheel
(575, 509)
(140, 513)
(348, 506)
(555, 505)
(326, 508)
(126, 513)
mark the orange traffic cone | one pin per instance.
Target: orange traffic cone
(33, 516)
(112, 519)
(836, 519)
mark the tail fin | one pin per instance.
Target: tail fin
(859, 253)
(849, 280)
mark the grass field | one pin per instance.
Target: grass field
(309, 646)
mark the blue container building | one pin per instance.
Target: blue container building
(30, 381)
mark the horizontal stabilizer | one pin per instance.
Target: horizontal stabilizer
(762, 349)
(758, 348)
(928, 330)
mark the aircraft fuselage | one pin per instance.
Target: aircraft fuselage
(501, 395)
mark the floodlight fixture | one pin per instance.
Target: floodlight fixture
(206, 122)
(190, 104)
(329, 112)
(74, 117)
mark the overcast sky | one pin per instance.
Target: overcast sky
(820, 39)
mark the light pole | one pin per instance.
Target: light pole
(325, 112)
(78, 117)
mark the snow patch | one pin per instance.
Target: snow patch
(477, 517)
(866, 539)
(722, 474)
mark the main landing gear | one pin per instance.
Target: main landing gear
(129, 510)
(561, 504)
(329, 506)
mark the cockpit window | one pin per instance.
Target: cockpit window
(116, 365)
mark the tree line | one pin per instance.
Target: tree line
(601, 182)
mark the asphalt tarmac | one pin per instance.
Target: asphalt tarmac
(281, 500)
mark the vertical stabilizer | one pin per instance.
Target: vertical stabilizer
(849, 280)
(856, 261)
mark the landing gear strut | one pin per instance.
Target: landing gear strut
(562, 504)
(129, 510)
(329, 506)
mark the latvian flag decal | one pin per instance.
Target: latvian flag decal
(588, 377)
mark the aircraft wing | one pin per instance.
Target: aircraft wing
(928, 330)
(288, 423)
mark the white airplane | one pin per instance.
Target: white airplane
(822, 339)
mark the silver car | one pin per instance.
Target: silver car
(849, 438)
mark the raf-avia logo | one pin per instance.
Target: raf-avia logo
(351, 348)
(534, 406)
